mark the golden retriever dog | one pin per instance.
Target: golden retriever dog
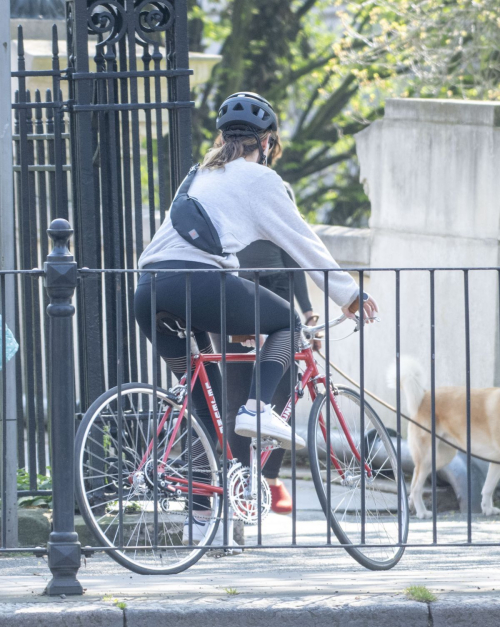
(451, 424)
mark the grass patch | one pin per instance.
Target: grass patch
(109, 598)
(420, 593)
(231, 591)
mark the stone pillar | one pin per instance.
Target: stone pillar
(431, 171)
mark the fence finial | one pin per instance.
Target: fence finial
(60, 232)
(55, 42)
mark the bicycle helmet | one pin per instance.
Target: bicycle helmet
(246, 113)
(246, 109)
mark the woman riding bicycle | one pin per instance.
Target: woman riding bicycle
(244, 201)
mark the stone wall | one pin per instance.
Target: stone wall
(431, 171)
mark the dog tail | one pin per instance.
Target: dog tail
(412, 382)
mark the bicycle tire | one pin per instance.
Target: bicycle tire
(341, 525)
(83, 475)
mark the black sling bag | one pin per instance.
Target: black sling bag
(191, 221)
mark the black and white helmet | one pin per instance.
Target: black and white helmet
(246, 109)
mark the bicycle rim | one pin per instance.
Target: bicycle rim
(382, 513)
(98, 482)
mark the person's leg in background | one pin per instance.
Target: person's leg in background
(281, 499)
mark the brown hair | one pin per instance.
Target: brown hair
(228, 147)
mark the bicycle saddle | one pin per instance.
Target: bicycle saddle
(169, 324)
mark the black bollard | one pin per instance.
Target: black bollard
(60, 282)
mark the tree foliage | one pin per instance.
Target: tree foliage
(329, 66)
(442, 48)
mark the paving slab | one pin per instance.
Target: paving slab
(60, 615)
(292, 612)
(466, 611)
(297, 586)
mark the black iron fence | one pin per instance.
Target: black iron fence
(157, 479)
(101, 138)
(41, 151)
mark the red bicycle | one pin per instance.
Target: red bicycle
(142, 459)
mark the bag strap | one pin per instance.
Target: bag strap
(186, 183)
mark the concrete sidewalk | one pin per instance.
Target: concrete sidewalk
(289, 587)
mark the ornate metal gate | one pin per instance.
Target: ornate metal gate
(108, 143)
(133, 83)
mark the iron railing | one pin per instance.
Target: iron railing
(41, 193)
(101, 138)
(61, 278)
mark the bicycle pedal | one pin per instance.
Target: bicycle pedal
(269, 444)
(217, 553)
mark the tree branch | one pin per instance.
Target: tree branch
(313, 166)
(294, 75)
(317, 194)
(308, 4)
(310, 103)
(231, 67)
(331, 107)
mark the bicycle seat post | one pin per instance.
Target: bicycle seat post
(195, 350)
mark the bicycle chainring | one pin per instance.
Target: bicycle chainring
(244, 504)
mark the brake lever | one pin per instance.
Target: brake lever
(358, 320)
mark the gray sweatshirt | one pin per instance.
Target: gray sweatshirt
(248, 202)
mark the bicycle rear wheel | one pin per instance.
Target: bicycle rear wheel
(98, 482)
(383, 513)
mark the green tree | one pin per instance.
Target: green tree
(328, 68)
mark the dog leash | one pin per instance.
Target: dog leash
(390, 407)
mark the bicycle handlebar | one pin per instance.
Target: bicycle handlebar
(310, 332)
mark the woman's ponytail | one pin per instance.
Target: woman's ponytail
(228, 147)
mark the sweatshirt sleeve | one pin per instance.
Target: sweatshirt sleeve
(280, 222)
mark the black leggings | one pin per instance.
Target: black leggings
(239, 376)
(206, 318)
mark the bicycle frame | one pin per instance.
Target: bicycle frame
(310, 379)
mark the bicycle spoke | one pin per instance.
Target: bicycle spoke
(381, 504)
(100, 480)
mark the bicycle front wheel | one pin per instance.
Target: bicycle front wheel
(148, 536)
(383, 513)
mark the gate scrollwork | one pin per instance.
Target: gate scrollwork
(107, 18)
(153, 17)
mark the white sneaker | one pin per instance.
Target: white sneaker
(271, 426)
(200, 529)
